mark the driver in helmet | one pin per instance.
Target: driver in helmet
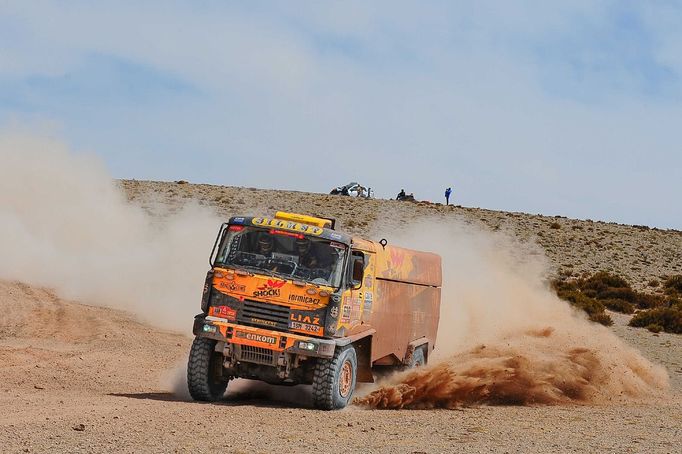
(265, 244)
(306, 253)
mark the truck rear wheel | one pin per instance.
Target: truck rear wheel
(204, 368)
(334, 379)
(418, 358)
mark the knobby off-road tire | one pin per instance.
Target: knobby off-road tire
(203, 378)
(334, 379)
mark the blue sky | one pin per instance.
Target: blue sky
(568, 108)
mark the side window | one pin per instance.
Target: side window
(357, 268)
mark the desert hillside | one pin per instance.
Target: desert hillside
(644, 256)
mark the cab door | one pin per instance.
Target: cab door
(362, 289)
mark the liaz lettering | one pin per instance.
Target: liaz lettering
(303, 299)
(315, 320)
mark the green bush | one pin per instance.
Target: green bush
(669, 318)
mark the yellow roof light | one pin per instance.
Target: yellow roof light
(304, 219)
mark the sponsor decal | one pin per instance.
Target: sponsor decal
(345, 314)
(335, 236)
(295, 226)
(397, 258)
(232, 286)
(265, 339)
(238, 220)
(368, 281)
(223, 312)
(261, 321)
(303, 299)
(269, 289)
(313, 329)
(302, 318)
(316, 230)
(334, 311)
(368, 302)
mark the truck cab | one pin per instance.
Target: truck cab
(289, 300)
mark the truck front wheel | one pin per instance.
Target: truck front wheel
(334, 379)
(204, 378)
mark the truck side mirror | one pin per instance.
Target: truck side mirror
(358, 271)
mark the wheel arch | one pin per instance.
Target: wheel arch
(362, 343)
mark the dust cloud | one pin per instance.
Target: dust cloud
(505, 338)
(64, 224)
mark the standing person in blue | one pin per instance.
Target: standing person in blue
(448, 191)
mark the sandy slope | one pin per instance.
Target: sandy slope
(65, 364)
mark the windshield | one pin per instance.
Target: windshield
(289, 255)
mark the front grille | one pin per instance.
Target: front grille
(256, 355)
(256, 313)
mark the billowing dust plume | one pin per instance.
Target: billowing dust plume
(65, 224)
(505, 338)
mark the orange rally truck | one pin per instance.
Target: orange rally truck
(289, 300)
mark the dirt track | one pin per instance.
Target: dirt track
(66, 364)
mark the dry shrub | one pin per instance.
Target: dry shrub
(673, 285)
(603, 280)
(607, 290)
(655, 328)
(668, 318)
(555, 225)
(608, 286)
(602, 318)
(619, 305)
(568, 291)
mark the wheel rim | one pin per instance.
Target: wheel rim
(346, 379)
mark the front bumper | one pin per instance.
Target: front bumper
(221, 330)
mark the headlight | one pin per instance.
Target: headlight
(306, 346)
(210, 329)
